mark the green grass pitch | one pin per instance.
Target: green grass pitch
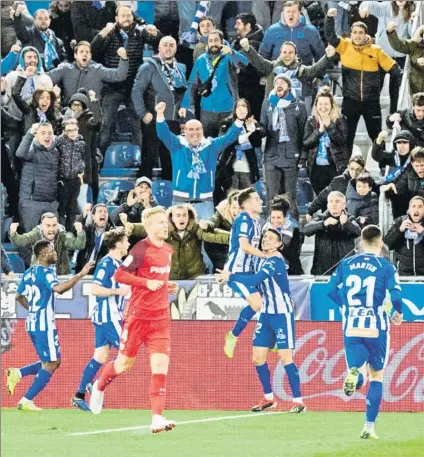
(312, 434)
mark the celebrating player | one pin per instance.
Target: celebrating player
(276, 322)
(359, 286)
(107, 315)
(147, 318)
(244, 241)
(35, 293)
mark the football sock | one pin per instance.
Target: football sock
(108, 375)
(360, 382)
(245, 317)
(32, 369)
(158, 393)
(294, 380)
(375, 392)
(39, 383)
(88, 374)
(265, 377)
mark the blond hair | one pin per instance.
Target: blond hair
(325, 91)
(149, 212)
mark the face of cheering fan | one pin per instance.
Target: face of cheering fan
(358, 36)
(362, 188)
(49, 228)
(287, 54)
(42, 20)
(277, 219)
(323, 106)
(206, 27)
(83, 56)
(291, 15)
(180, 218)
(416, 210)
(167, 48)
(124, 17)
(403, 147)
(270, 241)
(194, 132)
(44, 135)
(30, 59)
(242, 110)
(418, 166)
(44, 101)
(234, 209)
(281, 87)
(418, 111)
(100, 217)
(214, 43)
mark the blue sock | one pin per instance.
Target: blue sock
(265, 378)
(360, 382)
(39, 383)
(375, 392)
(88, 374)
(245, 317)
(28, 370)
(294, 380)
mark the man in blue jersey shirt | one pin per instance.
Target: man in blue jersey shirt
(36, 294)
(107, 314)
(276, 322)
(244, 241)
(359, 287)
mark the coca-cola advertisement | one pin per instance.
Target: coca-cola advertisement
(201, 377)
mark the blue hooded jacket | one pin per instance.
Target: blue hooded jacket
(21, 58)
(9, 63)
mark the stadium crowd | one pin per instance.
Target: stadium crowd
(221, 96)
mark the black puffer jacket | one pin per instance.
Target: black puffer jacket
(411, 123)
(71, 153)
(362, 206)
(332, 243)
(87, 20)
(386, 158)
(409, 257)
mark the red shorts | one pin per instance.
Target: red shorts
(156, 335)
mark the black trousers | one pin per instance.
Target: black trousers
(67, 193)
(321, 176)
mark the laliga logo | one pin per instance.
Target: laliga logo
(319, 370)
(160, 270)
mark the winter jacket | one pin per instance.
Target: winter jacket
(8, 33)
(105, 49)
(63, 242)
(9, 63)
(71, 77)
(151, 86)
(409, 257)
(87, 20)
(39, 170)
(224, 92)
(361, 65)
(305, 37)
(6, 266)
(410, 122)
(299, 74)
(415, 49)
(187, 184)
(284, 154)
(338, 152)
(29, 35)
(360, 206)
(165, 11)
(408, 185)
(71, 153)
(332, 243)
(61, 24)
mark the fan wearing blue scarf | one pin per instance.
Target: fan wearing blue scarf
(279, 98)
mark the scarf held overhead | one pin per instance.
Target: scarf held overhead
(190, 37)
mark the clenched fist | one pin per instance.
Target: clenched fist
(391, 26)
(13, 228)
(152, 30)
(122, 53)
(332, 12)
(244, 43)
(78, 227)
(160, 108)
(106, 30)
(148, 118)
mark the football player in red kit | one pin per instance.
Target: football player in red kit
(147, 317)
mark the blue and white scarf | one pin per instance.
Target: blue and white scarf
(98, 5)
(50, 54)
(28, 89)
(42, 116)
(211, 64)
(172, 73)
(124, 37)
(197, 166)
(277, 105)
(322, 153)
(296, 84)
(243, 144)
(190, 37)
(398, 169)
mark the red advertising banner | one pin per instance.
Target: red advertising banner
(201, 377)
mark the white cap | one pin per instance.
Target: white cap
(145, 180)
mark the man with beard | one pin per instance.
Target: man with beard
(160, 77)
(131, 34)
(40, 36)
(212, 74)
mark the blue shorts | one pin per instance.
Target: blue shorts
(360, 350)
(275, 328)
(46, 344)
(242, 289)
(108, 333)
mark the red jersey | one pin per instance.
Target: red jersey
(146, 261)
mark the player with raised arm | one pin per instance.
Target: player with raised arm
(359, 287)
(276, 322)
(35, 293)
(107, 314)
(147, 317)
(244, 241)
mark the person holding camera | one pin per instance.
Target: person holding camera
(406, 238)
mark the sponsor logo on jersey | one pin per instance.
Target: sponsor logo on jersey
(160, 270)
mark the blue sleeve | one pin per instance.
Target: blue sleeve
(170, 140)
(21, 288)
(222, 142)
(101, 274)
(244, 227)
(271, 267)
(50, 279)
(9, 63)
(336, 282)
(265, 50)
(394, 288)
(237, 58)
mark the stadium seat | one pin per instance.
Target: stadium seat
(121, 160)
(17, 263)
(109, 191)
(162, 191)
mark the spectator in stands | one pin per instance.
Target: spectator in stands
(166, 17)
(283, 118)
(406, 238)
(341, 23)
(88, 18)
(61, 24)
(248, 77)
(291, 27)
(361, 201)
(50, 230)
(206, 26)
(159, 78)
(8, 33)
(238, 164)
(38, 184)
(9, 63)
(95, 221)
(335, 232)
(212, 73)
(361, 63)
(266, 13)
(86, 73)
(131, 34)
(194, 160)
(339, 183)
(411, 119)
(71, 149)
(40, 36)
(415, 49)
(6, 266)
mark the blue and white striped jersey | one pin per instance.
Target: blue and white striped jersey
(359, 285)
(107, 309)
(243, 226)
(37, 286)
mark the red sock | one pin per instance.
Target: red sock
(108, 375)
(158, 393)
